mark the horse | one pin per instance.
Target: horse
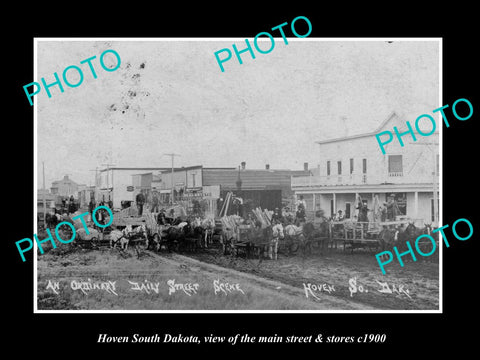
(207, 226)
(387, 237)
(311, 233)
(425, 246)
(173, 237)
(295, 238)
(193, 235)
(155, 241)
(121, 237)
(276, 234)
(50, 221)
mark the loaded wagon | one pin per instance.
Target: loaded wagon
(356, 234)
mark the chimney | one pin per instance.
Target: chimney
(305, 166)
(243, 165)
(65, 177)
(267, 166)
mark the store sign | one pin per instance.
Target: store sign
(211, 191)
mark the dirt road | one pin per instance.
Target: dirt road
(208, 280)
(355, 277)
(112, 280)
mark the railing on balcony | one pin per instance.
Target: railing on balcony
(350, 179)
(398, 177)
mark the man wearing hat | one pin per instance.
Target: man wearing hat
(391, 208)
(140, 200)
(277, 215)
(161, 220)
(339, 216)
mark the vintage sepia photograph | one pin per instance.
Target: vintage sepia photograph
(167, 183)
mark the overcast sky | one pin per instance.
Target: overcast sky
(170, 96)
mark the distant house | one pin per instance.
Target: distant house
(115, 183)
(49, 201)
(354, 165)
(65, 187)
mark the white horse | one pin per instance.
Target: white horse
(295, 236)
(277, 233)
(118, 236)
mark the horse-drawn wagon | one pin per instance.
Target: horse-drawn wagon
(355, 234)
(369, 235)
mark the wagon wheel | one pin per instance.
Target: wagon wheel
(93, 243)
(229, 249)
(293, 247)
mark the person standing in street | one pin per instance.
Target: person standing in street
(140, 199)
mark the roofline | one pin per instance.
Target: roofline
(384, 122)
(220, 168)
(135, 168)
(168, 169)
(373, 133)
(147, 173)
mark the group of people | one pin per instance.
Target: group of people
(149, 199)
(388, 211)
(93, 204)
(164, 218)
(69, 205)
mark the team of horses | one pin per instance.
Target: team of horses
(194, 234)
(398, 236)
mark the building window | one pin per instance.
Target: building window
(351, 166)
(332, 211)
(339, 166)
(395, 166)
(364, 171)
(328, 168)
(347, 210)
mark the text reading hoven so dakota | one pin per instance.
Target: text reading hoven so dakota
(255, 42)
(69, 70)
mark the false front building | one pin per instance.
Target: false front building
(354, 166)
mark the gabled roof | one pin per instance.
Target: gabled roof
(135, 168)
(393, 116)
(373, 133)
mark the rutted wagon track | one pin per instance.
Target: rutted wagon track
(283, 289)
(337, 268)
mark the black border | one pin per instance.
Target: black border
(406, 333)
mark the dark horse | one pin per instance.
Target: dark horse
(171, 237)
(423, 245)
(399, 238)
(319, 235)
(50, 220)
(192, 238)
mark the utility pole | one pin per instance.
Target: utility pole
(44, 200)
(172, 155)
(108, 184)
(96, 183)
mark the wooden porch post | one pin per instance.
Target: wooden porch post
(334, 203)
(416, 204)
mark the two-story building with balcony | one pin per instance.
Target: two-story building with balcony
(353, 166)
